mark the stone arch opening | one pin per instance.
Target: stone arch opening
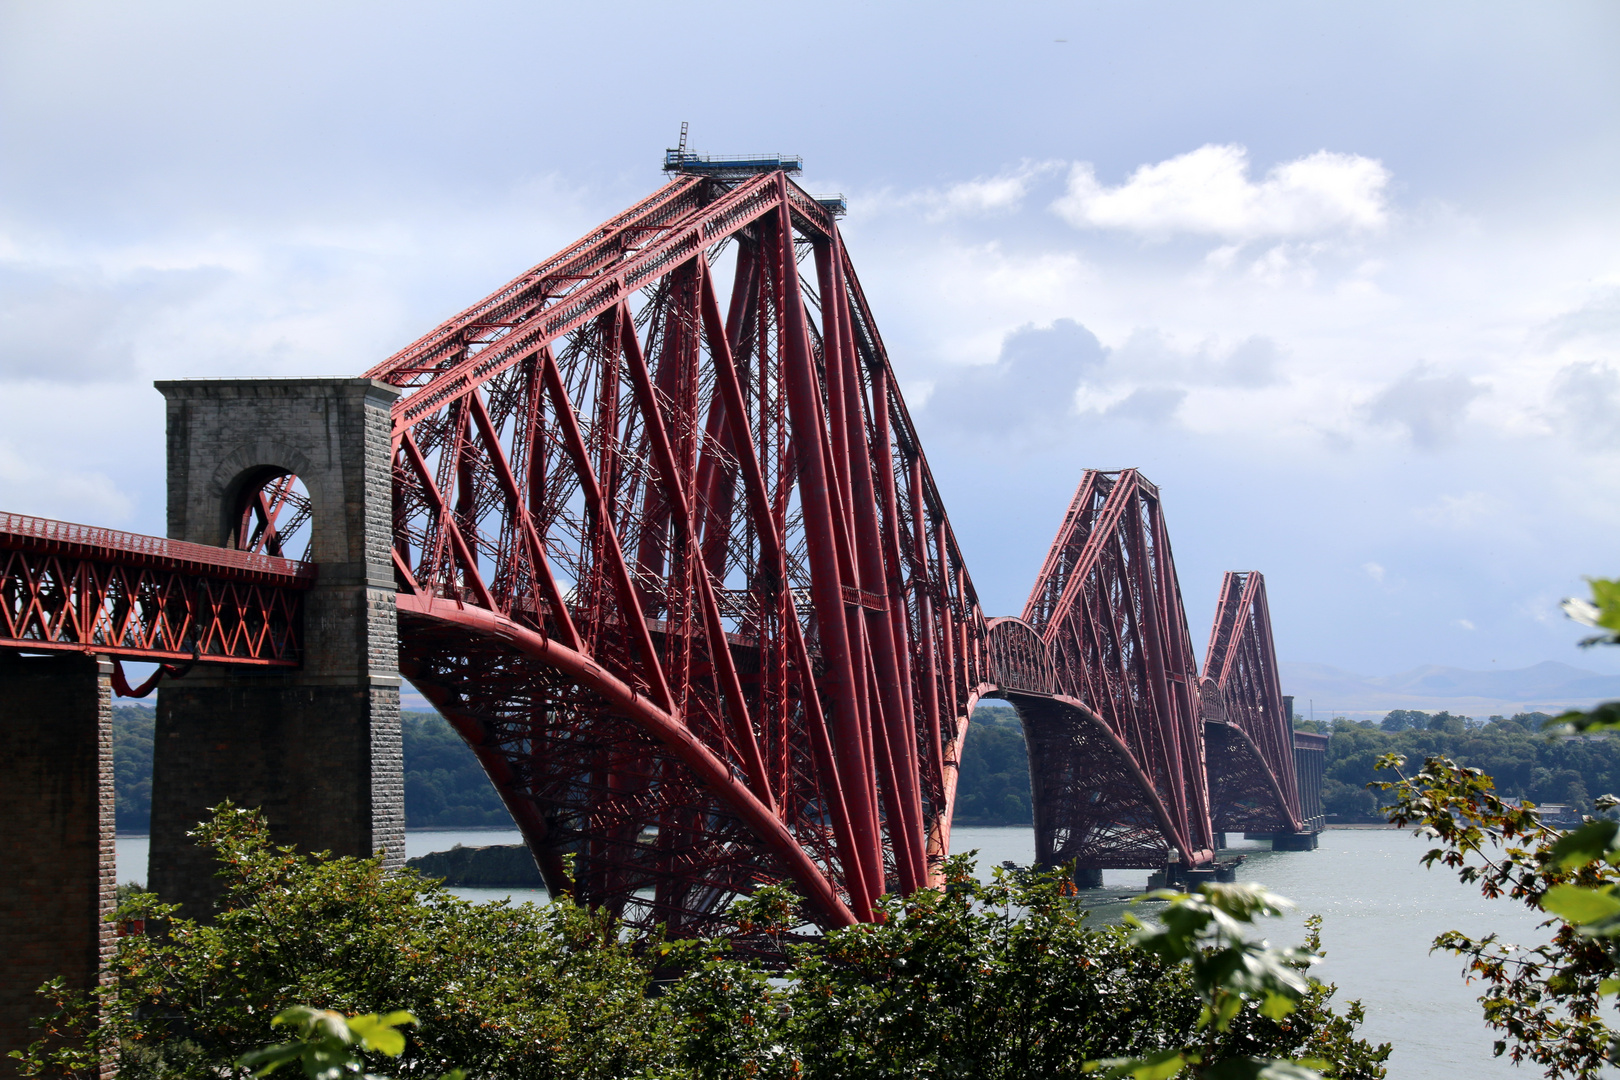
(271, 514)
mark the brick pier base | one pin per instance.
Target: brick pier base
(59, 877)
(322, 762)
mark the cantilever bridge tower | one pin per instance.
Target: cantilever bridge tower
(670, 557)
(652, 527)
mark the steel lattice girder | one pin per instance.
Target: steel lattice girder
(673, 562)
(1119, 746)
(1252, 780)
(77, 588)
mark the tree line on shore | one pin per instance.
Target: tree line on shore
(446, 788)
(1514, 750)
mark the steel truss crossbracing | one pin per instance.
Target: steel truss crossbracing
(671, 559)
(1252, 781)
(1117, 745)
(77, 588)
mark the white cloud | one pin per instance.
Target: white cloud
(1596, 320)
(1150, 354)
(1030, 387)
(1045, 375)
(980, 197)
(1428, 407)
(1374, 571)
(1208, 192)
(1148, 405)
(77, 323)
(1586, 396)
(1464, 623)
(43, 488)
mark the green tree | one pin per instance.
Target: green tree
(999, 980)
(132, 766)
(1546, 1001)
(1004, 980)
(331, 1046)
(1402, 719)
(1524, 763)
(501, 991)
(993, 788)
(445, 785)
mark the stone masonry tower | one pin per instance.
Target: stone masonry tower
(319, 748)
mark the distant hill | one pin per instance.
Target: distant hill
(1546, 687)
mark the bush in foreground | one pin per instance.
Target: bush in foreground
(998, 980)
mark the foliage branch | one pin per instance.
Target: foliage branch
(998, 979)
(1546, 1000)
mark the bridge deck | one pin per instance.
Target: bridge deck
(79, 588)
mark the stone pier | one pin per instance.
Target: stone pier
(319, 748)
(58, 881)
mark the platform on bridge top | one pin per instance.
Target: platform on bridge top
(730, 166)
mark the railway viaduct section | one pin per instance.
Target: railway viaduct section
(651, 526)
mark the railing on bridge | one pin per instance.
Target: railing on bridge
(1018, 657)
(77, 588)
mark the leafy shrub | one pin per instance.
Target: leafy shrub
(992, 980)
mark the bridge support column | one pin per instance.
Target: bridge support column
(1088, 877)
(60, 873)
(1288, 841)
(317, 749)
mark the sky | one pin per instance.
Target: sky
(1342, 279)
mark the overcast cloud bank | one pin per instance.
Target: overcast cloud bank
(1343, 323)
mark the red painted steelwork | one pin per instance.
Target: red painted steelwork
(671, 560)
(1117, 749)
(66, 587)
(1252, 782)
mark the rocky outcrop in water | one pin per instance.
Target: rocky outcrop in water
(497, 866)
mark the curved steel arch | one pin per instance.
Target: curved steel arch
(671, 558)
(1094, 805)
(1252, 776)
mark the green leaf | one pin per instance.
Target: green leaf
(268, 1060)
(1260, 1069)
(380, 1033)
(1276, 1006)
(1226, 1007)
(1602, 611)
(1578, 905)
(1161, 1066)
(1608, 986)
(1587, 844)
(1605, 717)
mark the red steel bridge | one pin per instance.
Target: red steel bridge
(667, 552)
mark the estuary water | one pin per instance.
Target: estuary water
(1380, 908)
